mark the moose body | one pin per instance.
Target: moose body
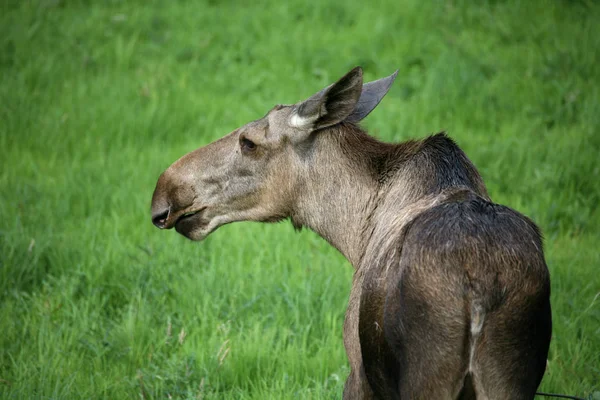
(450, 296)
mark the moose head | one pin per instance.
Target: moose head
(259, 171)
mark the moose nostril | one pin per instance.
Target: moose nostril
(160, 219)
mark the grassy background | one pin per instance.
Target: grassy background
(97, 98)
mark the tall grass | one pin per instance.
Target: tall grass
(97, 98)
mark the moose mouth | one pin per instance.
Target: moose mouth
(188, 221)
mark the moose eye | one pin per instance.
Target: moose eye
(247, 144)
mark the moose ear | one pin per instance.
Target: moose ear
(371, 95)
(331, 105)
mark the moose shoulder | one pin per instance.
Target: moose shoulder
(450, 298)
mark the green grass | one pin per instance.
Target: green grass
(97, 99)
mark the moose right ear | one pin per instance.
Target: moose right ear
(331, 105)
(372, 93)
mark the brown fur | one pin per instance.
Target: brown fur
(450, 297)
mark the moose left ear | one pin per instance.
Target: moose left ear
(331, 105)
(371, 95)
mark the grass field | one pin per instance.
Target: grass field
(97, 99)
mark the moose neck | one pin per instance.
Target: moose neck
(339, 191)
(358, 190)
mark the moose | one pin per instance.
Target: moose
(451, 293)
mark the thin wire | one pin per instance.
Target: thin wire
(562, 396)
